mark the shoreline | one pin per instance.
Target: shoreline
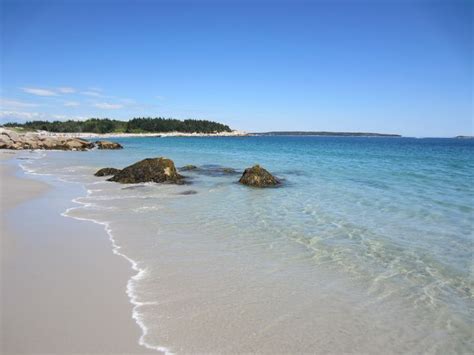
(140, 135)
(81, 301)
(133, 265)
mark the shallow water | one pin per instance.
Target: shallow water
(366, 248)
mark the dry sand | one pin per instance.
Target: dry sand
(62, 288)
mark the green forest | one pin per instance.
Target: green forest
(135, 125)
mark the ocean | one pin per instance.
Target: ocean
(367, 247)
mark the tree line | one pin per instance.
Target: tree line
(135, 125)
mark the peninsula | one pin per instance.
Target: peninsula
(324, 133)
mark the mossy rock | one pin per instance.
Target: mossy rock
(229, 171)
(188, 167)
(107, 172)
(149, 170)
(256, 176)
(108, 145)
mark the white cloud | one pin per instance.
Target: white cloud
(66, 90)
(91, 93)
(39, 92)
(71, 104)
(7, 103)
(65, 117)
(160, 97)
(107, 106)
(20, 115)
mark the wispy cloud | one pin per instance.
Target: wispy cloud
(66, 117)
(161, 98)
(39, 91)
(108, 106)
(128, 101)
(91, 93)
(20, 115)
(7, 103)
(71, 104)
(66, 90)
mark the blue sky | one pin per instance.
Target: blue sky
(382, 66)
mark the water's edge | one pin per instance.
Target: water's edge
(115, 249)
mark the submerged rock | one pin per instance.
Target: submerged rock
(188, 167)
(188, 192)
(151, 169)
(107, 172)
(257, 176)
(108, 145)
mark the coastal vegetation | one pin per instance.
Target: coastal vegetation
(135, 125)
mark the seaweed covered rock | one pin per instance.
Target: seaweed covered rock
(229, 171)
(188, 167)
(257, 176)
(108, 145)
(107, 172)
(151, 169)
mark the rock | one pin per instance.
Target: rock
(257, 176)
(188, 167)
(10, 134)
(48, 142)
(107, 172)
(151, 169)
(5, 142)
(30, 143)
(108, 145)
(76, 144)
(31, 140)
(229, 170)
(188, 192)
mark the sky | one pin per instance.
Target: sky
(389, 66)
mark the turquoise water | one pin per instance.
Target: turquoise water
(377, 230)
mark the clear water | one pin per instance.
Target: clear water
(367, 247)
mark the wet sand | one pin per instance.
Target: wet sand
(63, 291)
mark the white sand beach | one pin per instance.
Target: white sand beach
(63, 290)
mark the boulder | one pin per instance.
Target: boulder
(107, 172)
(108, 145)
(151, 169)
(188, 167)
(31, 140)
(49, 142)
(257, 176)
(229, 171)
(29, 143)
(10, 134)
(5, 142)
(76, 144)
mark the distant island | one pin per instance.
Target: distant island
(135, 125)
(324, 133)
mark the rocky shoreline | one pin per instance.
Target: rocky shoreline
(158, 170)
(19, 141)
